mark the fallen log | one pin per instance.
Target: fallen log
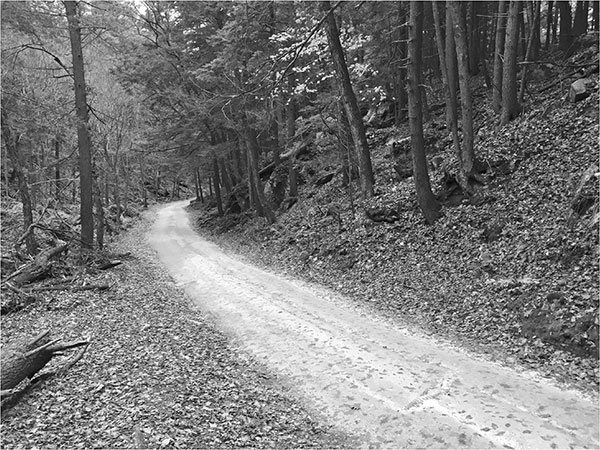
(18, 302)
(66, 287)
(38, 268)
(109, 264)
(20, 360)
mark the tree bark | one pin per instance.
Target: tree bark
(262, 207)
(143, 178)
(57, 181)
(11, 144)
(451, 100)
(565, 38)
(580, 21)
(474, 44)
(227, 181)
(196, 184)
(98, 214)
(460, 38)
(549, 14)
(510, 102)
(22, 360)
(529, 54)
(427, 201)
(290, 131)
(83, 137)
(345, 145)
(357, 127)
(217, 183)
(498, 55)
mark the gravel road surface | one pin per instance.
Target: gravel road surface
(390, 386)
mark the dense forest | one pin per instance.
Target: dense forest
(437, 160)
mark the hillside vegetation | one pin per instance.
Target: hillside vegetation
(510, 272)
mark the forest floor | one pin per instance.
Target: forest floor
(511, 273)
(155, 364)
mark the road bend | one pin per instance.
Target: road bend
(391, 387)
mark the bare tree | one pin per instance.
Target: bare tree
(427, 201)
(83, 137)
(510, 101)
(357, 127)
(467, 156)
(498, 56)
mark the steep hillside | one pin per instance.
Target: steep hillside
(511, 272)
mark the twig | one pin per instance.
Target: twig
(38, 338)
(63, 370)
(17, 290)
(40, 348)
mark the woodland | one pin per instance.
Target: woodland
(435, 161)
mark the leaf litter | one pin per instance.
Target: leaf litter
(156, 368)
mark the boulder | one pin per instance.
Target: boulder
(578, 90)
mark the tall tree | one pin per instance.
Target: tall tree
(580, 21)
(510, 101)
(427, 201)
(498, 56)
(357, 127)
(535, 23)
(565, 38)
(83, 137)
(549, 13)
(450, 94)
(460, 37)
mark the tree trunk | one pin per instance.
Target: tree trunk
(357, 127)
(217, 185)
(225, 178)
(451, 63)
(498, 56)
(345, 146)
(460, 38)
(474, 44)
(117, 191)
(12, 148)
(566, 33)
(98, 214)
(536, 11)
(427, 201)
(549, 13)
(200, 185)
(57, 181)
(22, 360)
(290, 130)
(596, 15)
(262, 207)
(580, 21)
(529, 54)
(197, 184)
(555, 19)
(451, 100)
(83, 137)
(510, 102)
(143, 178)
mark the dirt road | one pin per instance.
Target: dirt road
(392, 387)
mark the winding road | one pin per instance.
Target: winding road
(391, 387)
